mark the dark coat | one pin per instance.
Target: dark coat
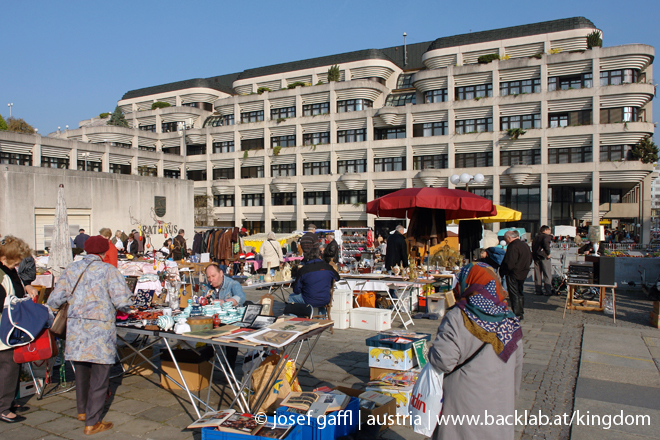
(517, 260)
(331, 252)
(180, 250)
(541, 246)
(397, 251)
(197, 244)
(133, 247)
(314, 281)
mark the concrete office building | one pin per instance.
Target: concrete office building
(278, 147)
(28, 194)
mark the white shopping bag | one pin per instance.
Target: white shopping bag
(426, 401)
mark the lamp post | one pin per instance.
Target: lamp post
(10, 105)
(466, 179)
(84, 156)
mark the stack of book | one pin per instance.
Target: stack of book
(232, 422)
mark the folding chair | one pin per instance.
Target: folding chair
(399, 303)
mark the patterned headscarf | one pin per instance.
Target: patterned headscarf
(479, 273)
(490, 320)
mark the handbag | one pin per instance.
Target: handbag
(58, 328)
(42, 348)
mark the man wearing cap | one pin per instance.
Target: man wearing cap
(310, 244)
(94, 291)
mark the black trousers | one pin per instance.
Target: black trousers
(516, 297)
(9, 372)
(92, 382)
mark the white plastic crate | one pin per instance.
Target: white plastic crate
(341, 319)
(367, 318)
(342, 300)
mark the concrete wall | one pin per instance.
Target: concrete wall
(109, 196)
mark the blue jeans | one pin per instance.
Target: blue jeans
(296, 298)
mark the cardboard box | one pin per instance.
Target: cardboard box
(380, 414)
(400, 394)
(196, 369)
(143, 367)
(28, 388)
(655, 320)
(381, 357)
(376, 373)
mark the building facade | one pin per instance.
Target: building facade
(278, 147)
(95, 200)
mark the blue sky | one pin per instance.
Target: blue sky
(62, 62)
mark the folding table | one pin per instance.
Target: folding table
(148, 338)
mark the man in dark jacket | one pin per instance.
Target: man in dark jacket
(542, 262)
(515, 267)
(314, 284)
(310, 244)
(80, 239)
(180, 249)
(397, 250)
(331, 251)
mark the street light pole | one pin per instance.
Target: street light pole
(10, 105)
(466, 179)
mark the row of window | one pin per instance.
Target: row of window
(608, 153)
(567, 82)
(349, 197)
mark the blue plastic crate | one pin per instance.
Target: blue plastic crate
(376, 341)
(212, 434)
(312, 430)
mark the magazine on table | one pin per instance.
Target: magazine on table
(270, 430)
(309, 400)
(239, 423)
(212, 419)
(274, 338)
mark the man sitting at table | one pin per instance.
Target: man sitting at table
(314, 282)
(225, 289)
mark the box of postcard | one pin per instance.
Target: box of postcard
(325, 414)
(230, 425)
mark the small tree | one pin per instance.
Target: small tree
(117, 118)
(160, 104)
(646, 150)
(594, 39)
(104, 115)
(19, 126)
(333, 73)
(3, 124)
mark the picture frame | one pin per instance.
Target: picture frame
(267, 301)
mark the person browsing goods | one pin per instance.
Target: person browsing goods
(542, 262)
(515, 267)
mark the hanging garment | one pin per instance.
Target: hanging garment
(469, 236)
(428, 224)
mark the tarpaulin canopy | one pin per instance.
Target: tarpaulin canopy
(257, 240)
(458, 204)
(504, 214)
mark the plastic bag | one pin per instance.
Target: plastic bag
(426, 400)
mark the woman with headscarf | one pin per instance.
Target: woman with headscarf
(479, 273)
(478, 348)
(271, 251)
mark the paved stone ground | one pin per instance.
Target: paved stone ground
(141, 409)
